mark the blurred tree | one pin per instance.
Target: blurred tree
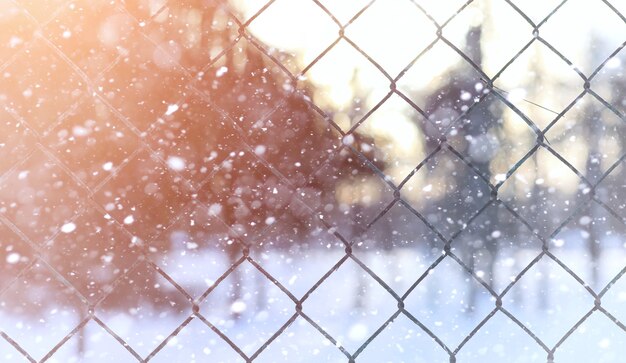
(199, 114)
(475, 137)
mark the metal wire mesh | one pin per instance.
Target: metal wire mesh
(94, 73)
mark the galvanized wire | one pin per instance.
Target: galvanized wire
(448, 253)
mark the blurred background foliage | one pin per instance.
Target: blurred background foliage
(135, 133)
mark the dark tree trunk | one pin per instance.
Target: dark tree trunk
(593, 125)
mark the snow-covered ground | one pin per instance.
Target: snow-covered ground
(351, 306)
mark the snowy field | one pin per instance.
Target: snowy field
(351, 306)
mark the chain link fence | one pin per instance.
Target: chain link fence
(137, 135)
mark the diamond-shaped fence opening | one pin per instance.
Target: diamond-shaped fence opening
(92, 239)
(312, 181)
(39, 86)
(147, 193)
(40, 197)
(304, 13)
(288, 240)
(175, 30)
(349, 106)
(394, 113)
(398, 254)
(253, 317)
(368, 302)
(518, 33)
(182, 139)
(446, 203)
(93, 36)
(489, 246)
(441, 309)
(91, 141)
(535, 198)
(309, 142)
(491, 144)
(376, 45)
(195, 250)
(148, 300)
